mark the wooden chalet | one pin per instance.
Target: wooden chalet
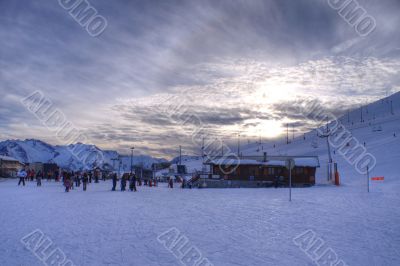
(267, 170)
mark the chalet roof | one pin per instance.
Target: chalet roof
(8, 158)
(304, 161)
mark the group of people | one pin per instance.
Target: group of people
(133, 182)
(29, 175)
(71, 179)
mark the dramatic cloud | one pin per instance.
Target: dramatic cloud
(237, 66)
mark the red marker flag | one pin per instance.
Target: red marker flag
(377, 178)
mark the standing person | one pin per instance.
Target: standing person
(123, 182)
(71, 180)
(84, 181)
(67, 181)
(132, 182)
(171, 183)
(32, 174)
(114, 180)
(28, 175)
(276, 183)
(90, 177)
(96, 176)
(183, 182)
(76, 179)
(21, 174)
(39, 177)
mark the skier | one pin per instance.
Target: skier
(84, 181)
(71, 179)
(76, 178)
(96, 176)
(32, 174)
(90, 177)
(171, 183)
(115, 180)
(183, 182)
(123, 182)
(21, 174)
(132, 182)
(39, 177)
(67, 181)
(276, 181)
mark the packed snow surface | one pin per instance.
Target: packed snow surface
(228, 226)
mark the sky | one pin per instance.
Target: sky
(228, 67)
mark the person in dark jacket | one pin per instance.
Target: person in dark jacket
(39, 177)
(90, 177)
(132, 182)
(123, 182)
(114, 180)
(276, 182)
(67, 181)
(76, 179)
(96, 176)
(84, 181)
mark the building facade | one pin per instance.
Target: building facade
(265, 169)
(9, 166)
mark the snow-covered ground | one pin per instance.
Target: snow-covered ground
(228, 226)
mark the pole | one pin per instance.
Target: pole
(293, 133)
(132, 159)
(202, 149)
(180, 154)
(119, 167)
(290, 180)
(368, 178)
(238, 147)
(361, 115)
(391, 107)
(287, 133)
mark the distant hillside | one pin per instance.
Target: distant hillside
(74, 156)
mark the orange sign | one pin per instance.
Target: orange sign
(377, 178)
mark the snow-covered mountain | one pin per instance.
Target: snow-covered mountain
(74, 156)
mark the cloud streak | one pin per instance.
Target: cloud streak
(242, 62)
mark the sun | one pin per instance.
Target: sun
(265, 128)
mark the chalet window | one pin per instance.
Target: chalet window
(271, 171)
(299, 171)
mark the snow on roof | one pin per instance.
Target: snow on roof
(305, 162)
(8, 158)
(235, 161)
(310, 162)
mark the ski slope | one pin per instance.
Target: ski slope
(383, 145)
